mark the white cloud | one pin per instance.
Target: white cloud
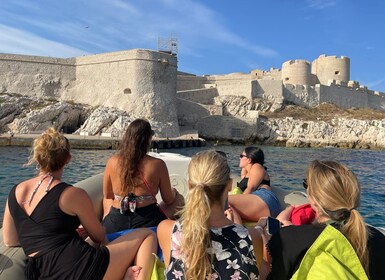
(17, 41)
(320, 4)
(103, 26)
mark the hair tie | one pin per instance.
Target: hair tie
(200, 185)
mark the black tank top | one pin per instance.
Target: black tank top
(48, 226)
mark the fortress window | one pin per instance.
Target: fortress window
(286, 79)
(127, 91)
(337, 73)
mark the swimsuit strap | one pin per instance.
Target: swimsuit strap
(146, 184)
(149, 189)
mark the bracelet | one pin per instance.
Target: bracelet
(259, 227)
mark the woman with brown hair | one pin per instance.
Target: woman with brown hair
(258, 199)
(43, 215)
(131, 180)
(203, 243)
(339, 230)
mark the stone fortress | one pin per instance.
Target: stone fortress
(145, 83)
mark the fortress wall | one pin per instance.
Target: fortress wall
(36, 76)
(306, 96)
(231, 128)
(137, 81)
(233, 84)
(275, 74)
(203, 96)
(267, 89)
(344, 97)
(331, 68)
(189, 82)
(296, 72)
(189, 113)
(376, 101)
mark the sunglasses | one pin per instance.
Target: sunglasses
(242, 155)
(304, 183)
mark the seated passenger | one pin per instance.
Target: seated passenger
(43, 215)
(132, 179)
(258, 199)
(338, 245)
(203, 243)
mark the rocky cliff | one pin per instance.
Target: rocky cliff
(276, 124)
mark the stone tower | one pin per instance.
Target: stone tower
(327, 68)
(296, 72)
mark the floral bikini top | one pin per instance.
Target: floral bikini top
(231, 249)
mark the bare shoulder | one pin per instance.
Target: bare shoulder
(113, 161)
(166, 226)
(72, 193)
(154, 162)
(257, 169)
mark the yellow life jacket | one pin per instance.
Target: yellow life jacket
(330, 257)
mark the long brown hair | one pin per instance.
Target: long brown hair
(209, 175)
(133, 148)
(336, 191)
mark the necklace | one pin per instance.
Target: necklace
(38, 186)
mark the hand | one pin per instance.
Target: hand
(229, 214)
(262, 222)
(82, 232)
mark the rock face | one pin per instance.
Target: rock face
(239, 122)
(30, 115)
(340, 132)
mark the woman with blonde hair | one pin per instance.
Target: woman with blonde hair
(131, 180)
(43, 215)
(334, 194)
(203, 243)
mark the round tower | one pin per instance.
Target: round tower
(327, 68)
(296, 72)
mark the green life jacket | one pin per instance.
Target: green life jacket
(330, 257)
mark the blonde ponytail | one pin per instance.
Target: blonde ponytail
(196, 238)
(209, 175)
(336, 191)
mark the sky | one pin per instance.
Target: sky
(214, 36)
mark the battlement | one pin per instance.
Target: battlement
(296, 61)
(324, 56)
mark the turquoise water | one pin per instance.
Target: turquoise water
(286, 167)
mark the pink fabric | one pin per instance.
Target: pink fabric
(302, 214)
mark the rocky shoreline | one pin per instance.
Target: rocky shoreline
(87, 125)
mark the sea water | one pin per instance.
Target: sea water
(286, 167)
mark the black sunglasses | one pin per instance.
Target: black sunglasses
(304, 183)
(242, 155)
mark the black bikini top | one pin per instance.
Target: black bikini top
(243, 183)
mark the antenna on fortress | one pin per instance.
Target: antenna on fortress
(168, 45)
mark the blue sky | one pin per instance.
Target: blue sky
(214, 37)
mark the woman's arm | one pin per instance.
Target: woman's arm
(243, 173)
(256, 174)
(167, 193)
(108, 193)
(10, 236)
(75, 201)
(164, 233)
(264, 264)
